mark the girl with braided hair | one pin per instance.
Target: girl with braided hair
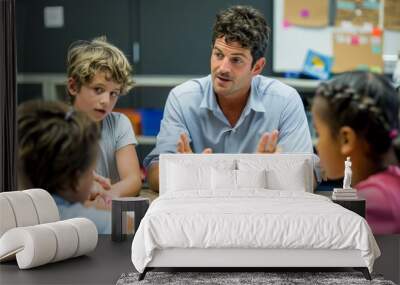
(356, 115)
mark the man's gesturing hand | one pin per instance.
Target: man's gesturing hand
(184, 145)
(268, 143)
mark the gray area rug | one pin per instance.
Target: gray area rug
(272, 278)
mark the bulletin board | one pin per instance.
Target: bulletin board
(291, 43)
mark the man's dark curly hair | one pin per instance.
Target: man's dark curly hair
(245, 25)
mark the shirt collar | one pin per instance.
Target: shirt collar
(209, 100)
(254, 102)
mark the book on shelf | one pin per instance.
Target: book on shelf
(341, 190)
(345, 198)
(344, 194)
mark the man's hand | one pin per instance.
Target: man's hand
(184, 145)
(268, 143)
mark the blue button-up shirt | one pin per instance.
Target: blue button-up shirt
(192, 108)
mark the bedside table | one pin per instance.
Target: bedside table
(356, 205)
(120, 206)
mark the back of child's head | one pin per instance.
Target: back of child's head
(56, 145)
(366, 102)
(86, 58)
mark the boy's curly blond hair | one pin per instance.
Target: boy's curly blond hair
(86, 58)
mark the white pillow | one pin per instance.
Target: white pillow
(223, 179)
(251, 178)
(188, 177)
(227, 179)
(293, 179)
(283, 172)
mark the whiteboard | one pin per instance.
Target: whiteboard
(290, 45)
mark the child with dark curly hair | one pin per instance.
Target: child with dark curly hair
(356, 115)
(57, 150)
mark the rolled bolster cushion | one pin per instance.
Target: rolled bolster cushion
(33, 246)
(23, 208)
(40, 244)
(66, 238)
(26, 208)
(46, 208)
(87, 234)
(7, 217)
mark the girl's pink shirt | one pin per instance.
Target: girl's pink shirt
(382, 194)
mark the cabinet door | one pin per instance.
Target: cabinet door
(42, 49)
(175, 35)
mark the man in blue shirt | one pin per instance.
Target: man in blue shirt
(235, 109)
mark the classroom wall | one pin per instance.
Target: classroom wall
(174, 36)
(43, 50)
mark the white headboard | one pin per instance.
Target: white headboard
(281, 163)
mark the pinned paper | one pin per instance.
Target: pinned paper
(362, 67)
(368, 28)
(376, 40)
(346, 5)
(364, 51)
(376, 69)
(304, 13)
(377, 32)
(358, 12)
(392, 12)
(363, 40)
(317, 65)
(307, 13)
(343, 39)
(376, 49)
(286, 24)
(373, 5)
(355, 40)
(347, 26)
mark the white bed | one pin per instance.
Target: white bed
(247, 211)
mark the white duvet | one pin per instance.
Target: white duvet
(253, 218)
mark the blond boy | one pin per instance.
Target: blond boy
(98, 73)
